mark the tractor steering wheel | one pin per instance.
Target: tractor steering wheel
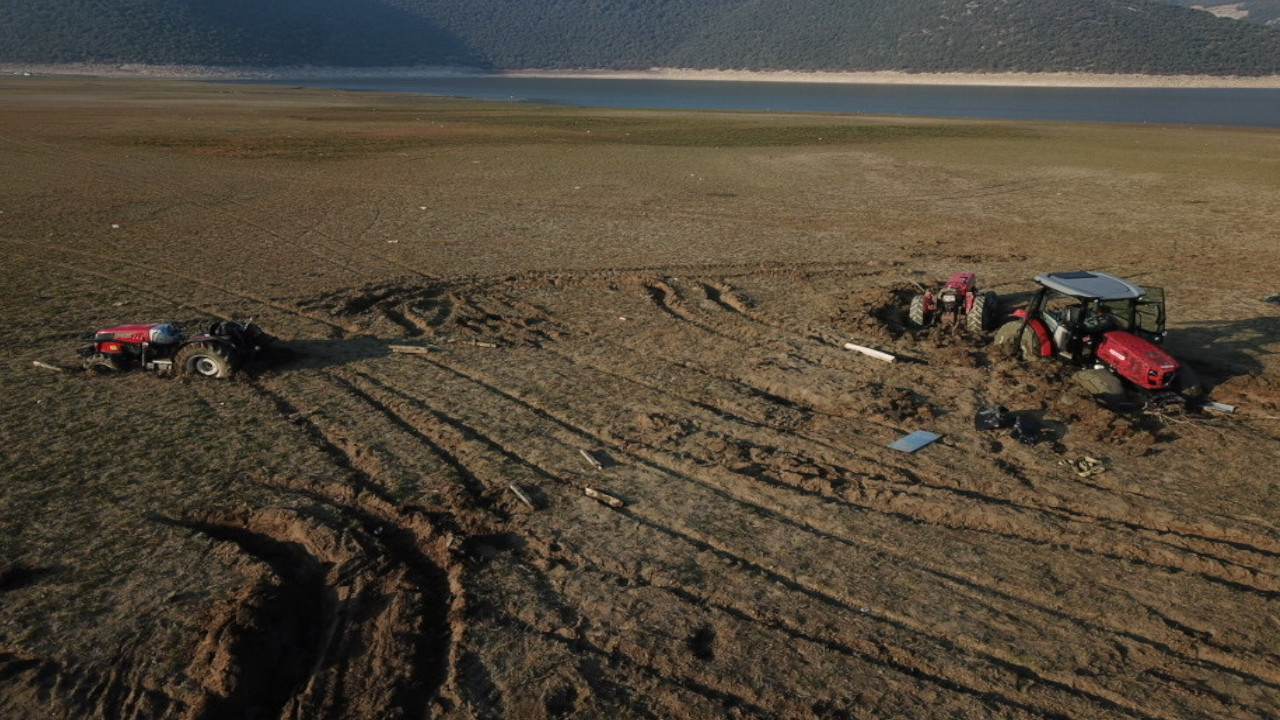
(1098, 321)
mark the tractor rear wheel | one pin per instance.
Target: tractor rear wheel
(1101, 384)
(915, 313)
(207, 359)
(979, 319)
(102, 363)
(1026, 347)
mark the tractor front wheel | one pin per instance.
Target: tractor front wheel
(915, 313)
(1102, 384)
(102, 363)
(205, 359)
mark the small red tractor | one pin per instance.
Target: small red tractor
(167, 349)
(1110, 327)
(958, 299)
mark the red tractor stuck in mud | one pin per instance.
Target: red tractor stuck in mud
(167, 349)
(958, 300)
(1110, 327)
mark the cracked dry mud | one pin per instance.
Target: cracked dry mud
(337, 536)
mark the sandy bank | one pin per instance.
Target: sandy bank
(1011, 79)
(889, 77)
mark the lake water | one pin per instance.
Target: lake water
(1191, 106)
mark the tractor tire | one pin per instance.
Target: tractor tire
(915, 313)
(206, 359)
(982, 315)
(1026, 348)
(1102, 384)
(102, 363)
(1187, 383)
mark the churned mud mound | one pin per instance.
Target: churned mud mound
(569, 428)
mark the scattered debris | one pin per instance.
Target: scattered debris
(914, 441)
(1086, 466)
(992, 418)
(603, 497)
(522, 495)
(871, 352)
(591, 458)
(1220, 407)
(1273, 299)
(481, 343)
(47, 366)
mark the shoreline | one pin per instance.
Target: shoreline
(880, 77)
(899, 77)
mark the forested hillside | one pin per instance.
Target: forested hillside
(1142, 36)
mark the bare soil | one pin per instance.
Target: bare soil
(337, 536)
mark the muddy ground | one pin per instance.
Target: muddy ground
(668, 294)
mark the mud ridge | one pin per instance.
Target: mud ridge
(297, 641)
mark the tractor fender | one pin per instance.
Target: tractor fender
(1042, 334)
(1040, 329)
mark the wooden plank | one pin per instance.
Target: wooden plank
(522, 495)
(603, 497)
(871, 352)
(410, 349)
(47, 366)
(592, 459)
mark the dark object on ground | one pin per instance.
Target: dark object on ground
(1027, 430)
(992, 418)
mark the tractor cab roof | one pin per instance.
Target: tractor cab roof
(1089, 285)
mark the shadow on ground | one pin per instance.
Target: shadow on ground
(1223, 349)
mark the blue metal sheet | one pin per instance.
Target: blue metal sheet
(914, 441)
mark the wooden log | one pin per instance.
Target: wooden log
(871, 352)
(522, 495)
(592, 459)
(47, 366)
(603, 497)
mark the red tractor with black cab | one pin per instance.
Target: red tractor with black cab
(957, 301)
(167, 349)
(1110, 327)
